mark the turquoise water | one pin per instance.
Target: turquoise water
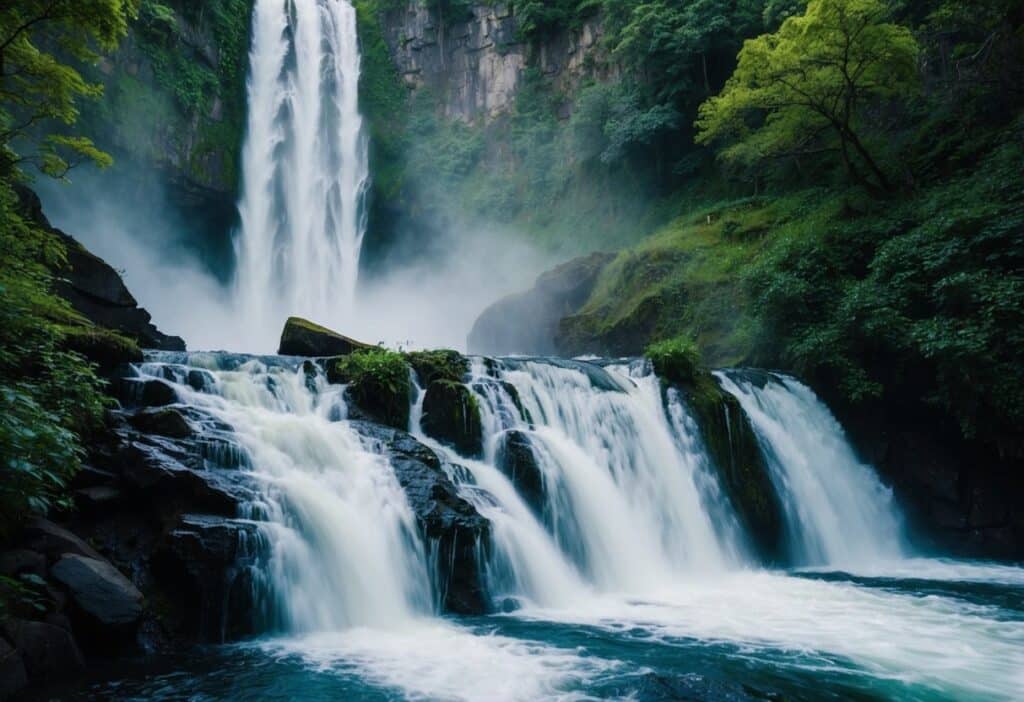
(793, 636)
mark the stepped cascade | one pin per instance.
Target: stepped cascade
(617, 522)
(305, 168)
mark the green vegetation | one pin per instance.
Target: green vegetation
(442, 364)
(378, 382)
(676, 360)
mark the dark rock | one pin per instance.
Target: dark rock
(18, 561)
(164, 422)
(54, 541)
(90, 476)
(657, 687)
(13, 678)
(529, 322)
(451, 415)
(516, 458)
(99, 590)
(99, 497)
(96, 290)
(217, 555)
(152, 470)
(304, 338)
(49, 652)
(379, 386)
(446, 519)
(442, 364)
(736, 454)
(156, 393)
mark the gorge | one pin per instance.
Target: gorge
(635, 480)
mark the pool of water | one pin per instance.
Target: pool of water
(921, 630)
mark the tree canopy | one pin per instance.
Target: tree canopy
(811, 86)
(38, 85)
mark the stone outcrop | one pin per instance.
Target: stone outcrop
(476, 62)
(98, 293)
(450, 525)
(517, 459)
(528, 322)
(99, 590)
(452, 416)
(304, 338)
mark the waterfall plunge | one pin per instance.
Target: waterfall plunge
(839, 513)
(305, 169)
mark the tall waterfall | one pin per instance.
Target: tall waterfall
(304, 167)
(839, 512)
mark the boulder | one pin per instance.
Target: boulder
(304, 338)
(99, 590)
(451, 415)
(163, 422)
(13, 677)
(48, 652)
(529, 322)
(216, 556)
(54, 541)
(444, 517)
(517, 460)
(442, 364)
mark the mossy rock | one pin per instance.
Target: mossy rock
(676, 360)
(451, 415)
(736, 454)
(442, 364)
(304, 338)
(378, 384)
(517, 460)
(107, 349)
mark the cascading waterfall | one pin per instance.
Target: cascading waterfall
(839, 513)
(305, 168)
(629, 501)
(343, 548)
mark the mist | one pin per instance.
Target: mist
(183, 273)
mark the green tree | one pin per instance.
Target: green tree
(809, 86)
(39, 88)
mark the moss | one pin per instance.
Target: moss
(104, 347)
(736, 454)
(379, 383)
(676, 360)
(451, 414)
(438, 365)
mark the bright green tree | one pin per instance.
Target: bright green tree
(40, 89)
(808, 87)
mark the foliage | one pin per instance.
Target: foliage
(440, 364)
(378, 381)
(39, 90)
(49, 396)
(675, 360)
(540, 18)
(811, 84)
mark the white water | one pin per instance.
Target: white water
(305, 170)
(630, 503)
(838, 511)
(344, 549)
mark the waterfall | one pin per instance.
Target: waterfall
(304, 168)
(838, 512)
(343, 549)
(629, 499)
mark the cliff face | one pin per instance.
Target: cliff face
(475, 65)
(174, 100)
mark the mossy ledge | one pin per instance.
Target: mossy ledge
(378, 383)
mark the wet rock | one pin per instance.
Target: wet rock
(431, 366)
(100, 497)
(152, 470)
(451, 415)
(657, 687)
(99, 590)
(304, 338)
(736, 454)
(529, 322)
(13, 677)
(516, 458)
(14, 563)
(54, 541)
(48, 652)
(216, 555)
(163, 422)
(446, 519)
